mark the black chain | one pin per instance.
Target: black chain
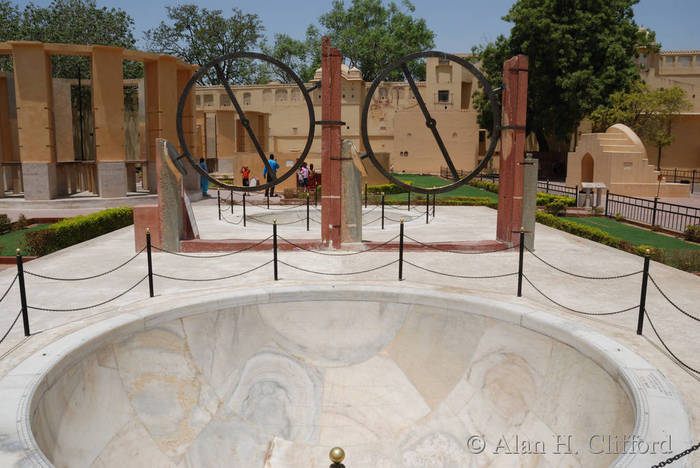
(86, 277)
(673, 303)
(235, 223)
(459, 276)
(290, 207)
(667, 348)
(574, 310)
(179, 254)
(91, 306)
(213, 279)
(11, 326)
(685, 452)
(7, 291)
(582, 276)
(330, 254)
(430, 246)
(338, 274)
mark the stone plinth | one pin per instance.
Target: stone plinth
(170, 199)
(39, 181)
(351, 196)
(111, 179)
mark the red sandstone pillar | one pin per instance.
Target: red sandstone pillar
(510, 180)
(330, 145)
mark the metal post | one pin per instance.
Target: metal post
(150, 262)
(231, 201)
(577, 195)
(434, 197)
(316, 197)
(22, 293)
(382, 210)
(643, 298)
(218, 202)
(607, 199)
(307, 211)
(274, 246)
(653, 214)
(675, 173)
(547, 189)
(409, 200)
(244, 194)
(692, 181)
(520, 261)
(268, 201)
(365, 195)
(401, 251)
(427, 208)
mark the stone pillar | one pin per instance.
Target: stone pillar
(170, 199)
(191, 179)
(330, 145)
(34, 95)
(510, 180)
(530, 169)
(108, 107)
(161, 107)
(351, 195)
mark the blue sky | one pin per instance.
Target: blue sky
(459, 24)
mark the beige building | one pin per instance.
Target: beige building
(396, 126)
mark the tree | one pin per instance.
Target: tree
(649, 113)
(71, 22)
(371, 35)
(199, 35)
(580, 52)
(304, 57)
(10, 19)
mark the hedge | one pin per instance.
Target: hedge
(543, 199)
(72, 231)
(388, 189)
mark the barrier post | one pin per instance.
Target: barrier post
(692, 181)
(643, 297)
(382, 210)
(409, 199)
(653, 214)
(434, 197)
(427, 208)
(577, 195)
(675, 174)
(316, 197)
(22, 293)
(218, 202)
(607, 198)
(365, 195)
(547, 189)
(274, 246)
(268, 200)
(244, 194)
(520, 261)
(150, 262)
(401, 251)
(307, 210)
(231, 201)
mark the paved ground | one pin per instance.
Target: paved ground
(452, 223)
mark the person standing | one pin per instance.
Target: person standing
(312, 178)
(203, 181)
(268, 177)
(245, 175)
(305, 175)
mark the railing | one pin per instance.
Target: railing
(683, 176)
(557, 189)
(652, 212)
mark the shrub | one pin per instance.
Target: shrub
(21, 223)
(5, 223)
(544, 199)
(692, 233)
(556, 208)
(386, 188)
(75, 230)
(619, 217)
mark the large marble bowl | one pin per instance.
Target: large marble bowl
(371, 217)
(406, 376)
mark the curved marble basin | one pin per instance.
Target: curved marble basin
(399, 377)
(371, 217)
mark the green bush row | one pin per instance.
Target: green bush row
(692, 233)
(543, 199)
(688, 260)
(388, 189)
(72, 231)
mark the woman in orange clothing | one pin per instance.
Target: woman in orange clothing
(245, 174)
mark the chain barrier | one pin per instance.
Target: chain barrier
(430, 246)
(339, 274)
(626, 275)
(7, 291)
(460, 276)
(678, 456)
(44, 309)
(286, 208)
(11, 327)
(687, 314)
(345, 254)
(235, 223)
(678, 360)
(178, 254)
(574, 310)
(175, 278)
(53, 278)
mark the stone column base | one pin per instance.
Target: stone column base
(39, 181)
(111, 179)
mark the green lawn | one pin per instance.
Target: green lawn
(435, 181)
(11, 241)
(633, 234)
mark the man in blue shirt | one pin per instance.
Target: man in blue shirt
(274, 165)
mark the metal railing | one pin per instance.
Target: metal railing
(683, 176)
(652, 211)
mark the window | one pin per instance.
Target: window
(684, 61)
(199, 100)
(208, 99)
(668, 61)
(281, 95)
(443, 62)
(443, 96)
(296, 95)
(246, 99)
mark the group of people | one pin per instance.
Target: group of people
(306, 176)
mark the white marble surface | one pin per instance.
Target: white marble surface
(400, 377)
